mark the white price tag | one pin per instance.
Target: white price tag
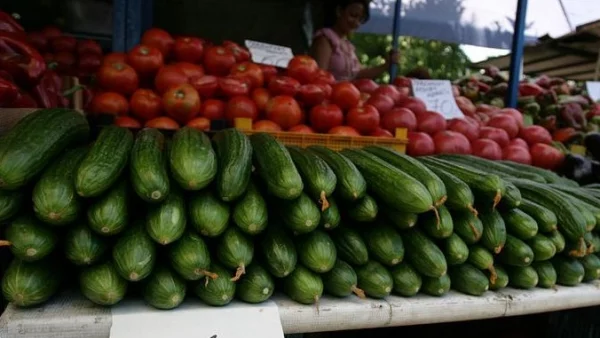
(593, 89)
(268, 54)
(134, 319)
(437, 95)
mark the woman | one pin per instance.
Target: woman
(333, 51)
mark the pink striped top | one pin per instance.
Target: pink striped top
(344, 64)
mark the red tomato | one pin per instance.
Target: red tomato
(482, 118)
(419, 144)
(169, 76)
(284, 111)
(159, 38)
(182, 103)
(402, 81)
(240, 53)
(366, 85)
(325, 117)
(266, 125)
(345, 95)
(65, 62)
(326, 89)
(38, 40)
(190, 70)
(380, 132)
(451, 142)
(269, 72)
(430, 122)
(416, 105)
(206, 85)
(506, 122)
(218, 60)
(515, 114)
(484, 108)
(535, 134)
(465, 105)
(241, 107)
(89, 63)
(311, 94)
(468, 128)
(188, 49)
(88, 46)
(163, 122)
(145, 104)
(51, 32)
(343, 131)
(213, 109)
(498, 135)
(398, 118)
(284, 85)
(487, 148)
(118, 77)
(389, 90)
(324, 77)
(111, 58)
(64, 44)
(145, 60)
(127, 122)
(364, 119)
(261, 96)
(517, 154)
(519, 142)
(302, 68)
(200, 123)
(251, 71)
(231, 86)
(382, 102)
(109, 103)
(546, 156)
(301, 128)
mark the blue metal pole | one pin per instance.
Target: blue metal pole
(517, 54)
(134, 23)
(119, 18)
(395, 36)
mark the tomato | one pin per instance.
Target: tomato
(519, 142)
(416, 105)
(169, 76)
(241, 107)
(487, 148)
(366, 85)
(402, 81)
(483, 118)
(325, 116)
(485, 108)
(506, 122)
(190, 70)
(343, 131)
(89, 62)
(163, 122)
(419, 144)
(240, 53)
(301, 128)
(398, 118)
(389, 90)
(51, 32)
(118, 77)
(111, 58)
(430, 122)
(324, 77)
(284, 111)
(218, 60)
(466, 127)
(231, 86)
(266, 125)
(145, 104)
(109, 103)
(269, 72)
(382, 102)
(188, 49)
(535, 134)
(517, 154)
(88, 46)
(206, 85)
(182, 102)
(261, 96)
(127, 122)
(213, 109)
(364, 119)
(64, 43)
(251, 71)
(451, 142)
(325, 88)
(159, 38)
(146, 60)
(498, 135)
(515, 114)
(345, 95)
(465, 105)
(284, 85)
(65, 62)
(302, 68)
(380, 132)
(546, 156)
(200, 123)
(311, 94)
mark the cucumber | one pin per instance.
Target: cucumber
(494, 167)
(482, 259)
(235, 251)
(549, 176)
(341, 281)
(164, 289)
(250, 212)
(436, 287)
(542, 246)
(522, 277)
(35, 141)
(189, 257)
(102, 284)
(576, 249)
(512, 197)
(319, 178)
(494, 231)
(407, 281)
(389, 184)
(26, 284)
(516, 252)
(586, 210)
(134, 254)
(104, 163)
(209, 215)
(218, 291)
(424, 255)
(55, 200)
(29, 240)
(546, 274)
(579, 194)
(374, 280)
(10, 203)
(437, 224)
(166, 222)
(303, 286)
(460, 195)
(316, 251)
(148, 166)
(589, 242)
(384, 244)
(501, 280)
(279, 252)
(595, 243)
(330, 217)
(545, 218)
(558, 240)
(301, 215)
(109, 214)
(569, 271)
(469, 280)
(192, 160)
(467, 225)
(520, 224)
(256, 286)
(351, 184)
(455, 250)
(234, 154)
(591, 265)
(82, 246)
(400, 219)
(350, 246)
(364, 210)
(416, 169)
(275, 166)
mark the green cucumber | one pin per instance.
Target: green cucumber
(256, 286)
(301, 215)
(424, 255)
(364, 210)
(482, 259)
(384, 244)
(330, 217)
(192, 160)
(341, 281)
(134, 254)
(516, 252)
(579, 194)
(544, 217)
(279, 252)
(350, 246)
(455, 250)
(494, 231)
(588, 212)
(82, 246)
(542, 246)
(164, 289)
(189, 257)
(316, 251)
(501, 280)
(460, 195)
(520, 224)
(546, 274)
(438, 223)
(576, 249)
(569, 271)
(374, 279)
(10, 203)
(218, 291)
(493, 167)
(400, 219)
(547, 175)
(29, 240)
(148, 166)
(250, 212)
(109, 214)
(558, 240)
(102, 284)
(436, 287)
(234, 154)
(512, 197)
(27, 284)
(591, 265)
(319, 178)
(166, 222)
(407, 281)
(469, 280)
(303, 286)
(235, 251)
(522, 277)
(467, 225)
(351, 184)
(209, 215)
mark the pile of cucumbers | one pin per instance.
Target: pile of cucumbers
(237, 217)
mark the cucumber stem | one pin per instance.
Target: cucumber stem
(473, 210)
(323, 201)
(497, 198)
(5, 243)
(441, 201)
(437, 217)
(241, 270)
(493, 274)
(359, 292)
(209, 275)
(317, 303)
(474, 229)
(581, 249)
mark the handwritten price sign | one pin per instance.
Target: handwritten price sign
(268, 54)
(437, 95)
(593, 89)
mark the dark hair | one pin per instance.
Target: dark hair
(331, 8)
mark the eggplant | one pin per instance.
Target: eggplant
(578, 168)
(591, 141)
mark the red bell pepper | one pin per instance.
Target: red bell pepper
(23, 100)
(530, 89)
(8, 92)
(48, 92)
(20, 59)
(9, 24)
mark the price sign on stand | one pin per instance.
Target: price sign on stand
(134, 319)
(268, 54)
(593, 89)
(437, 95)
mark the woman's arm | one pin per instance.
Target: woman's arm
(372, 72)
(321, 51)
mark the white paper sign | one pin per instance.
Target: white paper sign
(437, 95)
(593, 89)
(268, 54)
(134, 319)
